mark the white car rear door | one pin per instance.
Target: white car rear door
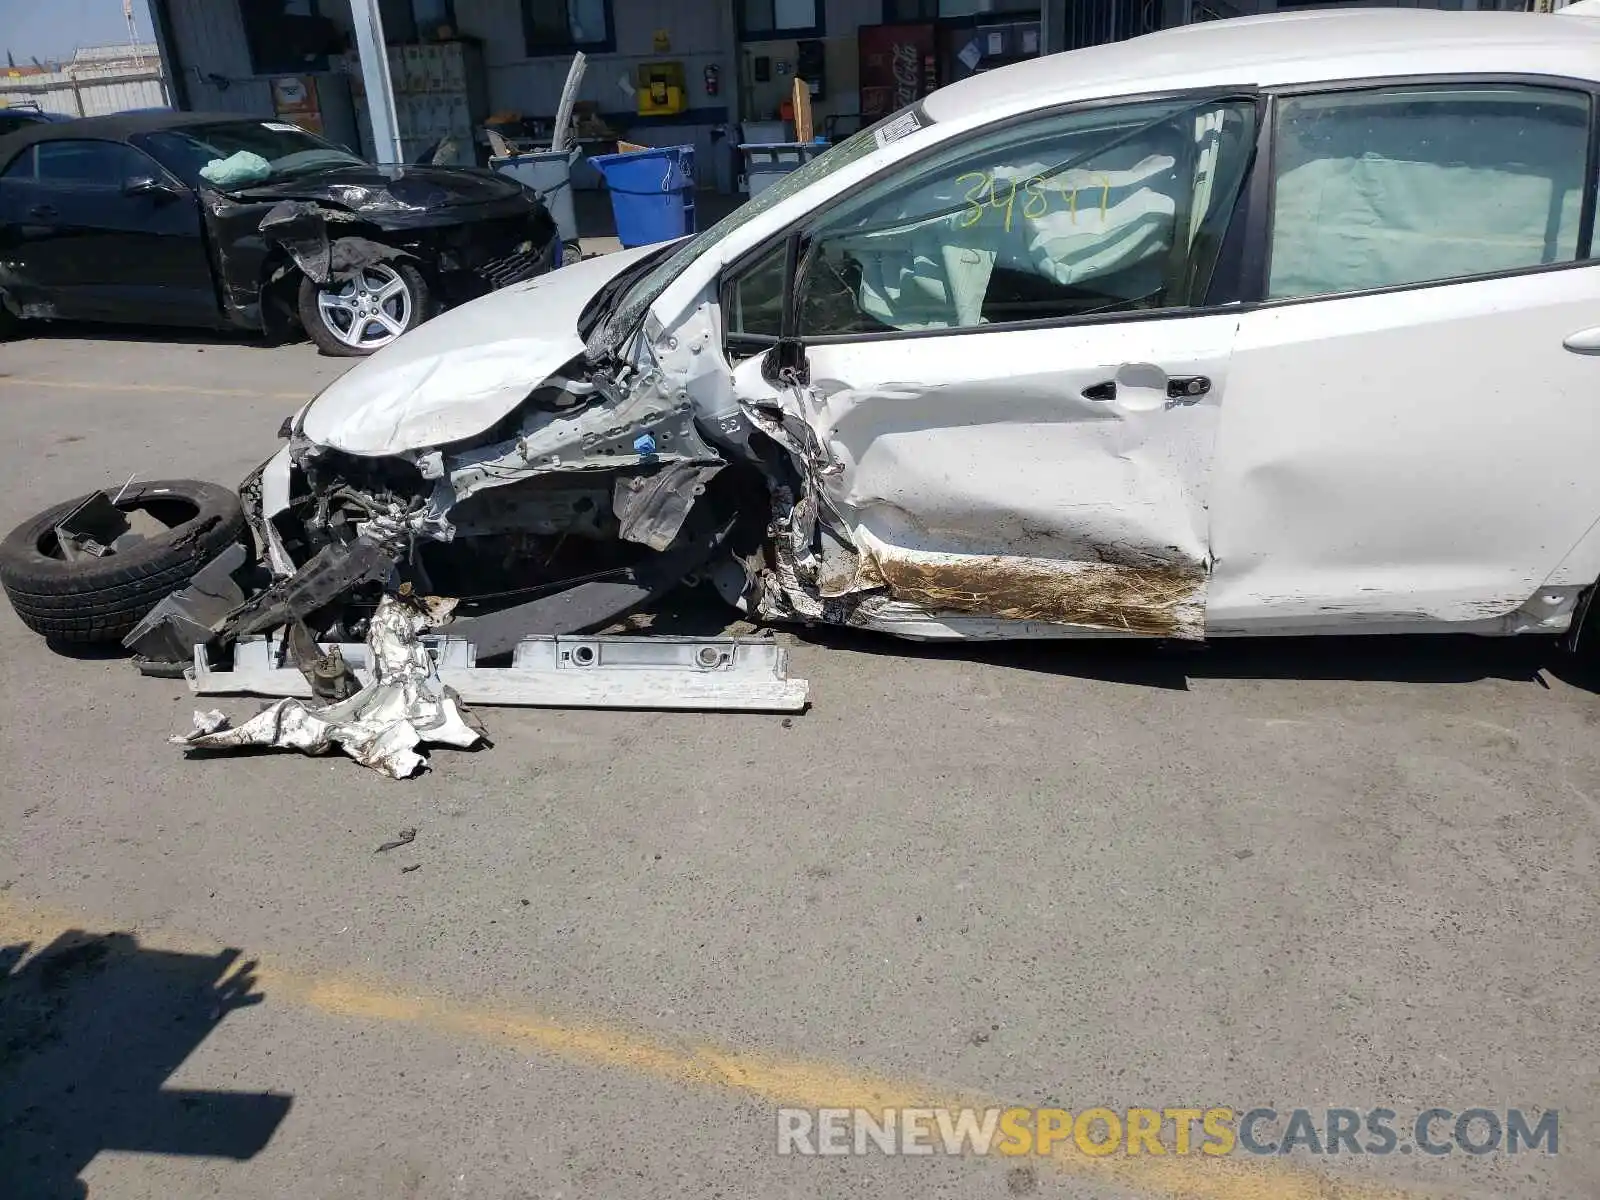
(1411, 436)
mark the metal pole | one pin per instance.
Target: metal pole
(1047, 27)
(173, 84)
(374, 53)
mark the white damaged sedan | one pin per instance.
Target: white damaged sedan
(1280, 325)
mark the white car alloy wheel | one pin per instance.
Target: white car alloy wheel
(369, 310)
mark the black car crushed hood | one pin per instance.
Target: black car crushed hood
(378, 191)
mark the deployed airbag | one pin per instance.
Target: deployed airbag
(236, 170)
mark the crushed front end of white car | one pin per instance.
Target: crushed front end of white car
(548, 493)
(551, 489)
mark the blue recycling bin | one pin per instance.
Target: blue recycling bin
(652, 193)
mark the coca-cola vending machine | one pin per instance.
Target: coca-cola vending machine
(899, 65)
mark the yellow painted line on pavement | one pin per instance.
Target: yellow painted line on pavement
(186, 389)
(780, 1080)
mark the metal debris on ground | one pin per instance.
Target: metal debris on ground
(183, 620)
(404, 838)
(403, 706)
(659, 672)
(96, 528)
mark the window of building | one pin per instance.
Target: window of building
(399, 21)
(407, 21)
(433, 15)
(932, 10)
(780, 19)
(1113, 210)
(1406, 185)
(288, 36)
(562, 26)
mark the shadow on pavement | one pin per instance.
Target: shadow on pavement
(90, 1029)
(86, 651)
(1443, 658)
(97, 331)
(1421, 658)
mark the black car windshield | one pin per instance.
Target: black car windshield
(628, 309)
(235, 154)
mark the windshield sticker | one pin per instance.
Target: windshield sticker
(280, 127)
(898, 127)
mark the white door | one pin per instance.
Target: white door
(1422, 455)
(1012, 380)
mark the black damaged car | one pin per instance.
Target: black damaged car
(225, 221)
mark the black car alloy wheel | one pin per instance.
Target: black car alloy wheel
(366, 311)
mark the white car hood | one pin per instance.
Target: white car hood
(461, 372)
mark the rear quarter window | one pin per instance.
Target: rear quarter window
(1399, 186)
(20, 167)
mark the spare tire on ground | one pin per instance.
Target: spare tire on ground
(185, 524)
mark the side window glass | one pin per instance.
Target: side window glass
(1113, 210)
(88, 164)
(1381, 188)
(755, 307)
(20, 169)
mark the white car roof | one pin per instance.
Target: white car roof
(1287, 48)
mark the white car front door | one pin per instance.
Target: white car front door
(1008, 374)
(1406, 447)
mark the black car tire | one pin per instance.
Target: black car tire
(419, 309)
(101, 599)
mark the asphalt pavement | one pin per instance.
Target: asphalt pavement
(1279, 874)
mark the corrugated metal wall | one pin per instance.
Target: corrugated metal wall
(97, 81)
(53, 93)
(210, 44)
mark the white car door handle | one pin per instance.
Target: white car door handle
(1585, 341)
(1181, 389)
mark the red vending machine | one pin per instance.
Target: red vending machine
(899, 65)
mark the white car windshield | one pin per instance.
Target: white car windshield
(630, 307)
